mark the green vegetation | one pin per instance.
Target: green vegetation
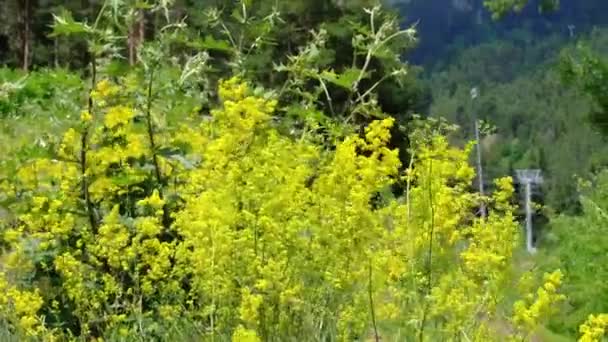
(577, 245)
(539, 121)
(543, 104)
(257, 171)
(500, 7)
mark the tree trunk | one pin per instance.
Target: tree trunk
(155, 24)
(84, 53)
(136, 37)
(25, 34)
(56, 52)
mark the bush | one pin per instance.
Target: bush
(42, 93)
(236, 231)
(577, 244)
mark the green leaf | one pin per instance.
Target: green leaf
(117, 68)
(167, 151)
(122, 180)
(186, 163)
(210, 43)
(346, 79)
(338, 29)
(144, 5)
(65, 25)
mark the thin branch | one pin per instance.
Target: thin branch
(229, 35)
(368, 59)
(99, 15)
(83, 153)
(368, 56)
(429, 284)
(373, 87)
(371, 51)
(371, 21)
(409, 186)
(371, 302)
(466, 337)
(391, 37)
(150, 127)
(326, 91)
(408, 192)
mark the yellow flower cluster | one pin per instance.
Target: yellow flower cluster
(260, 237)
(24, 306)
(104, 89)
(233, 89)
(594, 329)
(118, 115)
(526, 316)
(85, 116)
(244, 335)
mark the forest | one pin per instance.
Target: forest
(304, 170)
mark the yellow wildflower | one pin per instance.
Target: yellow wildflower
(527, 317)
(232, 89)
(104, 89)
(250, 304)
(85, 116)
(244, 335)
(26, 305)
(118, 115)
(153, 201)
(594, 329)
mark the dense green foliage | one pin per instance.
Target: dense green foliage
(543, 105)
(577, 245)
(588, 72)
(539, 122)
(326, 54)
(500, 7)
(45, 93)
(448, 27)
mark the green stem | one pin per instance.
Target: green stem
(429, 284)
(152, 141)
(83, 154)
(371, 303)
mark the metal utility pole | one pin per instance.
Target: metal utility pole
(482, 207)
(571, 28)
(529, 178)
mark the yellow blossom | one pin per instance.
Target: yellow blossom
(594, 329)
(250, 304)
(268, 237)
(154, 201)
(104, 89)
(85, 116)
(118, 115)
(244, 335)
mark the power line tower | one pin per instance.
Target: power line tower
(482, 208)
(529, 178)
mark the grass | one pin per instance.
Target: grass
(545, 335)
